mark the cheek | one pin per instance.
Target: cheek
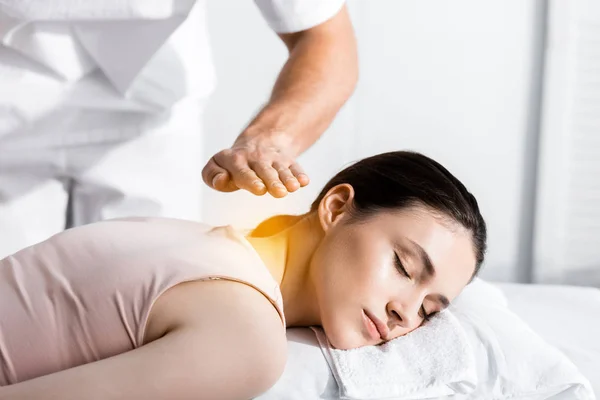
(351, 264)
(351, 273)
(372, 265)
(333, 268)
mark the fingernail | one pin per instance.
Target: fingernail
(303, 177)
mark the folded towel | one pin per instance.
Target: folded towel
(434, 360)
(477, 349)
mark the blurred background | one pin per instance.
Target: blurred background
(505, 94)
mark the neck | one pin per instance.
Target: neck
(287, 255)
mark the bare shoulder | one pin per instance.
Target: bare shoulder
(235, 311)
(234, 322)
(200, 303)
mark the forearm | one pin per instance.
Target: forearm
(143, 373)
(318, 78)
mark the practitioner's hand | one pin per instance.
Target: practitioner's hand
(258, 166)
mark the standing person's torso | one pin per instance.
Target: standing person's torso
(143, 58)
(85, 294)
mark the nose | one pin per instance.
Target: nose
(404, 314)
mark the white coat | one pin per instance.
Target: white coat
(101, 105)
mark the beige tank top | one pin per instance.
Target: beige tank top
(85, 294)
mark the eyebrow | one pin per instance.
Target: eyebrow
(429, 271)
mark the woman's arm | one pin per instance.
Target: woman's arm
(223, 340)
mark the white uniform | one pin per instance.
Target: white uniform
(101, 105)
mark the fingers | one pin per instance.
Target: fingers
(286, 177)
(246, 178)
(299, 174)
(242, 176)
(230, 170)
(270, 177)
(217, 178)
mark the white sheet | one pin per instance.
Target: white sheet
(567, 317)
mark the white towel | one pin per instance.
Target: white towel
(432, 361)
(477, 349)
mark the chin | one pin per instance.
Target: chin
(344, 338)
(347, 344)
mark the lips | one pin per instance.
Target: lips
(380, 331)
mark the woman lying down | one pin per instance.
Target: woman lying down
(150, 308)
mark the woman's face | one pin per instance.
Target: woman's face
(383, 277)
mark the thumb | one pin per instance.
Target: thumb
(217, 177)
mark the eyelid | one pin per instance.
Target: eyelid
(400, 266)
(425, 316)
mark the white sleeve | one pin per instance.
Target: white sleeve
(89, 11)
(287, 16)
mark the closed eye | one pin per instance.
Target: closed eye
(426, 317)
(400, 266)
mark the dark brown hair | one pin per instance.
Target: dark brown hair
(397, 180)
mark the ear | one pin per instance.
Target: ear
(335, 205)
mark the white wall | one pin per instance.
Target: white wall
(451, 80)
